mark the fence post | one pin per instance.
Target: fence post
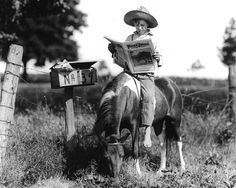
(8, 95)
(232, 93)
(0, 85)
(70, 131)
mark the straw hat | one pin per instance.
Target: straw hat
(140, 13)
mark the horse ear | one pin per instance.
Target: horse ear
(124, 138)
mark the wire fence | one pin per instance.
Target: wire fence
(192, 101)
(206, 100)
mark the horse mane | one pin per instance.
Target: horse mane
(105, 113)
(104, 117)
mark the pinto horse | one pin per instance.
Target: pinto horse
(120, 108)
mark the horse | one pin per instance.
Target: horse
(119, 108)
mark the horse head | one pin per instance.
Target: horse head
(114, 153)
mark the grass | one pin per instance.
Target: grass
(35, 148)
(36, 154)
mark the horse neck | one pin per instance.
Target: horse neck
(117, 101)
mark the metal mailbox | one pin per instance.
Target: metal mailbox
(82, 74)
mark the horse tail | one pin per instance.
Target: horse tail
(174, 99)
(173, 119)
(172, 130)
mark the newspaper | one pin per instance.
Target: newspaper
(134, 56)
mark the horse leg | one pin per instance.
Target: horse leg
(135, 149)
(180, 146)
(173, 129)
(163, 144)
(138, 167)
(135, 146)
(159, 129)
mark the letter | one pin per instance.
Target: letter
(66, 79)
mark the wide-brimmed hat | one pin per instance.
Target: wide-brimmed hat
(140, 13)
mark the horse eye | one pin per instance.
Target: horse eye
(121, 152)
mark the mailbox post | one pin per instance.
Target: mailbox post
(82, 74)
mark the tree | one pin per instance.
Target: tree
(44, 28)
(8, 16)
(228, 57)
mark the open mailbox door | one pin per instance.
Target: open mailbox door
(79, 73)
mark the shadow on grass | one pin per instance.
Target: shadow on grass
(86, 158)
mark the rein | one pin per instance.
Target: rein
(114, 144)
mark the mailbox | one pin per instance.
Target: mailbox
(81, 74)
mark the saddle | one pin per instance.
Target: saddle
(135, 85)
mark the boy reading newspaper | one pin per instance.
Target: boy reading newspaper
(143, 21)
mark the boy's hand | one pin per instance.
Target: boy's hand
(156, 56)
(111, 48)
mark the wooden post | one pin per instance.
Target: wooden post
(81, 74)
(8, 95)
(232, 92)
(0, 86)
(70, 130)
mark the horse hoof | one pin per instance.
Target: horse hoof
(115, 181)
(139, 174)
(147, 144)
(159, 173)
(182, 170)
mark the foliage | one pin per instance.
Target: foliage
(197, 98)
(8, 15)
(198, 83)
(35, 148)
(29, 95)
(36, 154)
(44, 28)
(228, 51)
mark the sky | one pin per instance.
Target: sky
(188, 31)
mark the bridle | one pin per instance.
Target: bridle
(115, 144)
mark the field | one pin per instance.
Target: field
(36, 155)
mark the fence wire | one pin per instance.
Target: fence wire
(194, 99)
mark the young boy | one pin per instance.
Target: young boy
(142, 20)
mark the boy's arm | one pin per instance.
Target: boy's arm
(156, 54)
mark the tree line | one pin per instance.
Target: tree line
(44, 29)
